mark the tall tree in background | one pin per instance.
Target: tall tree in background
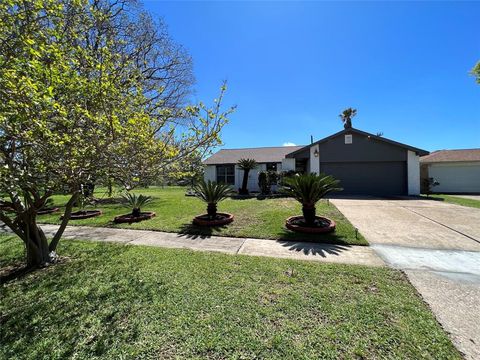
(476, 72)
(187, 171)
(346, 116)
(89, 89)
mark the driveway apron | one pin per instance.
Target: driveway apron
(438, 246)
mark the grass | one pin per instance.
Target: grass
(254, 218)
(455, 200)
(110, 301)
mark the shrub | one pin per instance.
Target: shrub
(135, 202)
(308, 189)
(428, 184)
(264, 183)
(212, 193)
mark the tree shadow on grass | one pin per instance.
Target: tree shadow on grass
(16, 268)
(191, 231)
(14, 271)
(87, 280)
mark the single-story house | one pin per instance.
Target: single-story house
(222, 166)
(365, 164)
(457, 171)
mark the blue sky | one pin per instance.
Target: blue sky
(292, 67)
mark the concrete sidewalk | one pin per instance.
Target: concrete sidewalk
(345, 254)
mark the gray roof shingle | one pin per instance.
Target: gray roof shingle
(261, 155)
(452, 156)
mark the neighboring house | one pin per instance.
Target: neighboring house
(457, 171)
(365, 164)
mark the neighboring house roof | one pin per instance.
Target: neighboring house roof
(260, 155)
(352, 130)
(452, 156)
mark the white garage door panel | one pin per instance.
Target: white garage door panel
(456, 178)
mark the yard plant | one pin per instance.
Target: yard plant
(308, 189)
(265, 181)
(246, 165)
(212, 193)
(90, 91)
(135, 202)
(253, 218)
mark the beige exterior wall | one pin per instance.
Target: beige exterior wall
(456, 177)
(210, 173)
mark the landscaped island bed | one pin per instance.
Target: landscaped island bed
(253, 218)
(110, 301)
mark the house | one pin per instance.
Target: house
(457, 171)
(222, 166)
(365, 164)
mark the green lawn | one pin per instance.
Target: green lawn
(454, 200)
(110, 301)
(253, 218)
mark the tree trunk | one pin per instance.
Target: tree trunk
(212, 211)
(36, 244)
(136, 212)
(66, 217)
(244, 190)
(110, 188)
(309, 212)
(39, 251)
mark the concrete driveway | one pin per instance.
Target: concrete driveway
(438, 246)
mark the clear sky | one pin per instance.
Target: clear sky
(292, 67)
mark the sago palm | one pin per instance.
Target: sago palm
(246, 165)
(212, 193)
(308, 189)
(135, 202)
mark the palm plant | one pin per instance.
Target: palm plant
(212, 193)
(246, 165)
(347, 116)
(308, 189)
(135, 202)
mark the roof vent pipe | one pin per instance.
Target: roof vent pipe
(311, 139)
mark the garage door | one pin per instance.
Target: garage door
(369, 178)
(456, 177)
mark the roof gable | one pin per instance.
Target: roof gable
(353, 130)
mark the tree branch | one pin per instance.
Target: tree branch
(63, 225)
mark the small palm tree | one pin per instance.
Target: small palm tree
(212, 193)
(308, 189)
(246, 165)
(347, 116)
(135, 202)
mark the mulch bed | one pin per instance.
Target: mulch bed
(84, 214)
(322, 225)
(220, 219)
(45, 211)
(129, 218)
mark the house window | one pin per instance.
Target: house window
(226, 174)
(271, 166)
